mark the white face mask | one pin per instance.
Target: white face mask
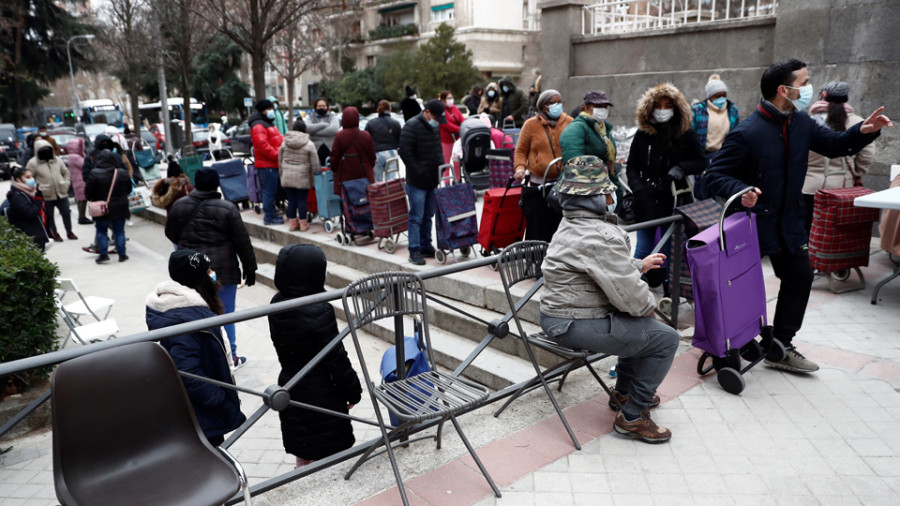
(663, 115)
(611, 208)
(600, 113)
(449, 102)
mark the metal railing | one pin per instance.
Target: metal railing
(630, 16)
(273, 396)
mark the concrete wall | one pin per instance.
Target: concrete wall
(847, 40)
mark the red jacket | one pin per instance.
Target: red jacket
(266, 141)
(451, 127)
(357, 147)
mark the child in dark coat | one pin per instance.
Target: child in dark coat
(298, 336)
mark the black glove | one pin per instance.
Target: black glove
(675, 173)
(250, 278)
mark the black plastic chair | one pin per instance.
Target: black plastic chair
(124, 433)
(519, 262)
(414, 399)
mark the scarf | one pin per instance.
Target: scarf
(600, 128)
(31, 191)
(542, 99)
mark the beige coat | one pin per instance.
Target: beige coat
(840, 170)
(52, 176)
(297, 161)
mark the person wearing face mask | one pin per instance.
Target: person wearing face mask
(322, 125)
(713, 119)
(411, 106)
(514, 104)
(769, 151)
(279, 120)
(664, 150)
(538, 145)
(491, 102)
(266, 141)
(588, 134)
(473, 99)
(450, 129)
(52, 177)
(26, 207)
(190, 295)
(420, 150)
(594, 298)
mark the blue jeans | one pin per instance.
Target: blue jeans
(269, 179)
(102, 240)
(296, 207)
(421, 212)
(380, 158)
(645, 346)
(227, 295)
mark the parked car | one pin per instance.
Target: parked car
(200, 138)
(9, 146)
(238, 139)
(91, 130)
(156, 144)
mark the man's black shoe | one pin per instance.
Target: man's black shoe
(428, 252)
(102, 259)
(415, 257)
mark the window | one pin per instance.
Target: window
(441, 13)
(370, 60)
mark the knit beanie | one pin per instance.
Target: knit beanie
(206, 180)
(188, 267)
(836, 92)
(264, 104)
(715, 85)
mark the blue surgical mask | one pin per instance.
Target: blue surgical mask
(433, 123)
(270, 114)
(30, 182)
(212, 276)
(555, 110)
(491, 93)
(611, 208)
(806, 95)
(720, 102)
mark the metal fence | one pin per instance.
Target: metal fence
(630, 16)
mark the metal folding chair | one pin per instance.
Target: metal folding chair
(88, 333)
(85, 305)
(519, 262)
(414, 399)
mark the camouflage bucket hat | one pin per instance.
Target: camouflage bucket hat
(585, 175)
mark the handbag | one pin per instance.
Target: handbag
(415, 361)
(100, 208)
(139, 199)
(144, 158)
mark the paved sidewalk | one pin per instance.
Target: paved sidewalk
(826, 438)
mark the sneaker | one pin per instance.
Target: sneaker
(622, 398)
(239, 361)
(643, 428)
(102, 259)
(794, 361)
(415, 257)
(275, 221)
(428, 252)
(123, 258)
(72, 236)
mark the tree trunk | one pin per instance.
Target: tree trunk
(258, 60)
(290, 99)
(134, 96)
(186, 105)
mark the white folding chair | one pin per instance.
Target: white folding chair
(90, 305)
(89, 333)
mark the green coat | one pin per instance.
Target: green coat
(580, 138)
(280, 123)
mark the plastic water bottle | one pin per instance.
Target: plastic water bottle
(612, 371)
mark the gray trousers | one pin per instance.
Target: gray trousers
(645, 346)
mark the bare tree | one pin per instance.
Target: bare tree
(298, 48)
(126, 40)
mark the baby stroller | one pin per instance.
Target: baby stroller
(475, 138)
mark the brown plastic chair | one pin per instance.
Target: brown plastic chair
(124, 433)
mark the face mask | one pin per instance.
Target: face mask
(806, 94)
(413, 96)
(212, 276)
(270, 114)
(115, 150)
(449, 102)
(30, 182)
(433, 123)
(611, 208)
(720, 102)
(492, 93)
(555, 110)
(321, 112)
(663, 115)
(505, 89)
(600, 113)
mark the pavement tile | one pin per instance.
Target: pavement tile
(552, 499)
(453, 483)
(548, 438)
(507, 460)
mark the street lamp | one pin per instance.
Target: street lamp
(72, 72)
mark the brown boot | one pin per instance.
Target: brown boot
(622, 398)
(304, 225)
(643, 428)
(293, 224)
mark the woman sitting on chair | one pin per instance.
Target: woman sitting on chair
(594, 298)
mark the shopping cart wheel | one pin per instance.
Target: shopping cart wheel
(257, 209)
(329, 226)
(465, 251)
(370, 234)
(440, 256)
(493, 267)
(776, 352)
(842, 275)
(339, 238)
(664, 306)
(752, 351)
(310, 217)
(731, 380)
(389, 245)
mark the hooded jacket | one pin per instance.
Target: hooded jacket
(322, 129)
(298, 335)
(514, 103)
(52, 175)
(656, 148)
(297, 161)
(101, 143)
(409, 105)
(266, 140)
(75, 152)
(490, 105)
(216, 229)
(168, 190)
(353, 152)
(385, 132)
(421, 152)
(96, 187)
(202, 353)
(27, 214)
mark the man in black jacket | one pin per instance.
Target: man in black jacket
(385, 132)
(420, 149)
(204, 222)
(769, 151)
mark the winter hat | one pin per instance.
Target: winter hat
(174, 169)
(715, 85)
(597, 97)
(410, 92)
(188, 267)
(836, 92)
(264, 104)
(272, 99)
(206, 180)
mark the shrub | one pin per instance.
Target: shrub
(27, 308)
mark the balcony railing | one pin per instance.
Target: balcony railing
(629, 16)
(389, 32)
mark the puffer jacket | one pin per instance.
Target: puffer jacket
(266, 140)
(75, 151)
(841, 170)
(168, 190)
(420, 150)
(589, 271)
(298, 335)
(490, 105)
(218, 409)
(96, 188)
(450, 129)
(297, 161)
(215, 229)
(581, 138)
(656, 148)
(52, 176)
(385, 132)
(353, 152)
(514, 103)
